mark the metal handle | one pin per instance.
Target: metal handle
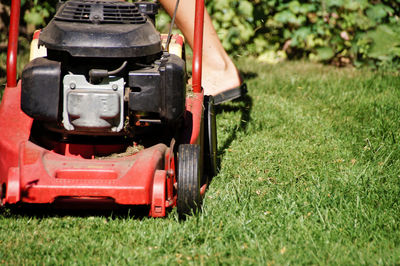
(198, 46)
(13, 44)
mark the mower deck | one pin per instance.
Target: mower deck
(99, 83)
(32, 174)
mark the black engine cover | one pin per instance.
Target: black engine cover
(40, 85)
(108, 29)
(161, 89)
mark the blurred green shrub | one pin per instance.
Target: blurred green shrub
(34, 14)
(338, 31)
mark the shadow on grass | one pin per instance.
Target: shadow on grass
(248, 75)
(244, 106)
(50, 211)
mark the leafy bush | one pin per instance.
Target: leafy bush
(340, 31)
(34, 14)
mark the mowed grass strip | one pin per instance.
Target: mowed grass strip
(309, 174)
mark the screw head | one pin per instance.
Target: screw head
(170, 173)
(114, 87)
(72, 85)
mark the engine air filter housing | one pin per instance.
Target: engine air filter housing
(95, 28)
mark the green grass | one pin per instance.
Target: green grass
(309, 174)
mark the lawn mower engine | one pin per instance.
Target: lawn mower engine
(105, 72)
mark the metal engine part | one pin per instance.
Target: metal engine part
(88, 107)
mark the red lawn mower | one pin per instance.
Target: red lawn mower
(102, 113)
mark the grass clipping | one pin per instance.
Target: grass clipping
(130, 150)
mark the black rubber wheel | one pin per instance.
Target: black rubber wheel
(189, 176)
(210, 137)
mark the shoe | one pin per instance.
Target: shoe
(231, 94)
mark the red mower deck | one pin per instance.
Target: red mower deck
(79, 172)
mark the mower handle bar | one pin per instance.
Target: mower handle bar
(14, 32)
(13, 44)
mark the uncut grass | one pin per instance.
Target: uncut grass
(309, 173)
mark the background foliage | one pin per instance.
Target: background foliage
(343, 32)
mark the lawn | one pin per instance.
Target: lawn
(309, 174)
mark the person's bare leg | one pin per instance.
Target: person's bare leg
(219, 72)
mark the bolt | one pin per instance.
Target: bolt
(170, 173)
(114, 87)
(72, 85)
